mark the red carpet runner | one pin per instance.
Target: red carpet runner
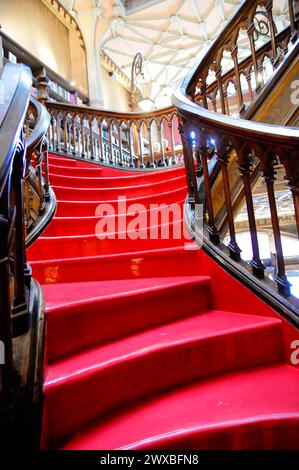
(149, 344)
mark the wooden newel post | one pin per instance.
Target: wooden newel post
(43, 87)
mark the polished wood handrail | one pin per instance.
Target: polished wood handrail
(37, 213)
(24, 125)
(133, 140)
(15, 86)
(257, 147)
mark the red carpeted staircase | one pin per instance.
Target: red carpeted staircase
(149, 343)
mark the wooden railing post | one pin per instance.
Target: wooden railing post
(269, 177)
(141, 157)
(244, 160)
(43, 87)
(223, 155)
(204, 153)
(241, 104)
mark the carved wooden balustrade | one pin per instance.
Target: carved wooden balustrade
(38, 200)
(24, 192)
(134, 140)
(213, 139)
(226, 81)
(149, 140)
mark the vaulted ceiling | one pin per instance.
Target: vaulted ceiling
(170, 35)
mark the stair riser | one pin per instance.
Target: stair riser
(68, 247)
(106, 194)
(105, 390)
(86, 180)
(79, 226)
(71, 163)
(68, 207)
(97, 322)
(122, 267)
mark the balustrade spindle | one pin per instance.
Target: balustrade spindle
(160, 132)
(281, 278)
(52, 132)
(131, 161)
(140, 139)
(245, 169)
(211, 226)
(220, 88)
(120, 146)
(152, 163)
(238, 80)
(75, 137)
(250, 33)
(214, 104)
(111, 143)
(101, 149)
(248, 78)
(65, 132)
(223, 153)
(173, 155)
(188, 168)
(91, 138)
(58, 144)
(82, 137)
(70, 135)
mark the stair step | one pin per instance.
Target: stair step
(167, 235)
(69, 207)
(251, 409)
(70, 162)
(77, 179)
(136, 264)
(61, 226)
(119, 373)
(93, 193)
(94, 312)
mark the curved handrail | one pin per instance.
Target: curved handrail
(207, 132)
(41, 125)
(16, 82)
(133, 140)
(38, 213)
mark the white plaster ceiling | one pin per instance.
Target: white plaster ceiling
(170, 34)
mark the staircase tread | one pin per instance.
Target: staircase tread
(207, 324)
(128, 199)
(85, 259)
(72, 293)
(253, 395)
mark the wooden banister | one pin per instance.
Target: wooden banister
(256, 148)
(24, 124)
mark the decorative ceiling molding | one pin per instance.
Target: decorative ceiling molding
(171, 35)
